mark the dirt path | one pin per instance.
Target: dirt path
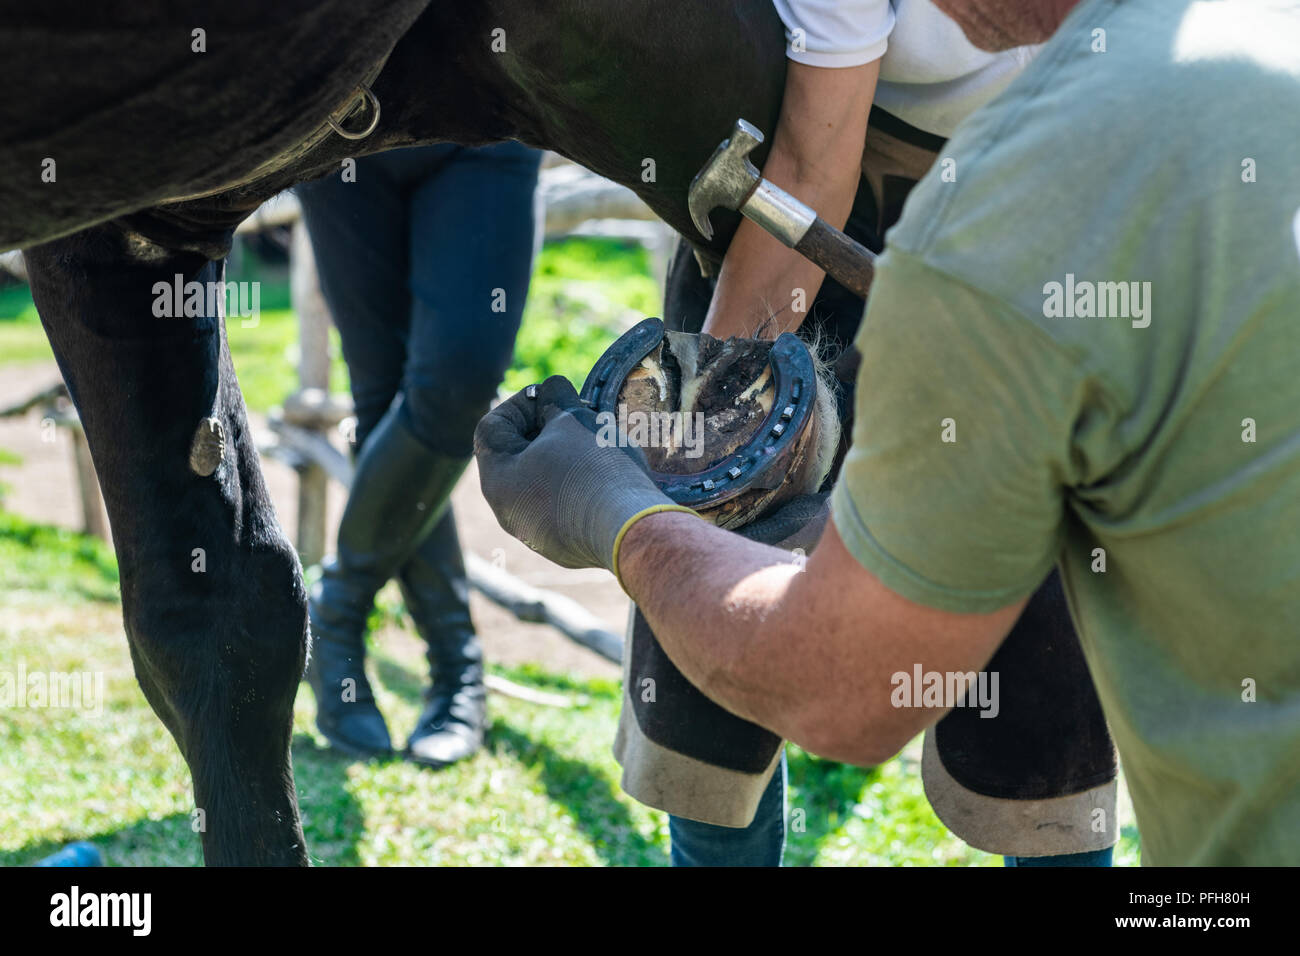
(43, 488)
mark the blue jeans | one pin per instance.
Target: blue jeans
(1091, 858)
(760, 844)
(425, 261)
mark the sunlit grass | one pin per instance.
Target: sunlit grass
(543, 791)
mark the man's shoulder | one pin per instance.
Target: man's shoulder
(1135, 144)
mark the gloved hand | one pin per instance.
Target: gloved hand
(553, 486)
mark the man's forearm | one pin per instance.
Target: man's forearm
(809, 653)
(756, 634)
(713, 599)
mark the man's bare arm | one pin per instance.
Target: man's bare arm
(809, 653)
(816, 155)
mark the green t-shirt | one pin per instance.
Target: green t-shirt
(1008, 419)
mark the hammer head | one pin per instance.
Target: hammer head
(726, 179)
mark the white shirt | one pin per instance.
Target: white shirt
(931, 76)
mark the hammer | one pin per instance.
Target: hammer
(729, 179)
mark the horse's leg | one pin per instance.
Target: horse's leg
(212, 591)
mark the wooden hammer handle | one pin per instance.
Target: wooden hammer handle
(848, 262)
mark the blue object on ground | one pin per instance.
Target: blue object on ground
(75, 854)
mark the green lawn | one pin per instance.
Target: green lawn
(583, 293)
(544, 790)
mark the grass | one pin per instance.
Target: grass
(22, 339)
(58, 563)
(583, 294)
(543, 791)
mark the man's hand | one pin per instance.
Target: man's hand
(554, 485)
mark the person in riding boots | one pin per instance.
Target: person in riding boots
(424, 258)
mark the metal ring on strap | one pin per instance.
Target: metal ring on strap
(367, 97)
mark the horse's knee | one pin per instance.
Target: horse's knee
(220, 662)
(275, 620)
(222, 642)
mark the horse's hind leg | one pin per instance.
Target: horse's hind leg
(212, 592)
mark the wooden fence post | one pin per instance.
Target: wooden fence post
(93, 517)
(304, 407)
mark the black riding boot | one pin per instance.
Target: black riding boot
(399, 490)
(437, 595)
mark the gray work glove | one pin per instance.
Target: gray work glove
(553, 486)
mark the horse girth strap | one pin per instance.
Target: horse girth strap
(361, 98)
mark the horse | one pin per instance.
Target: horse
(140, 133)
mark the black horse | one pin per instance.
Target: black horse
(137, 134)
